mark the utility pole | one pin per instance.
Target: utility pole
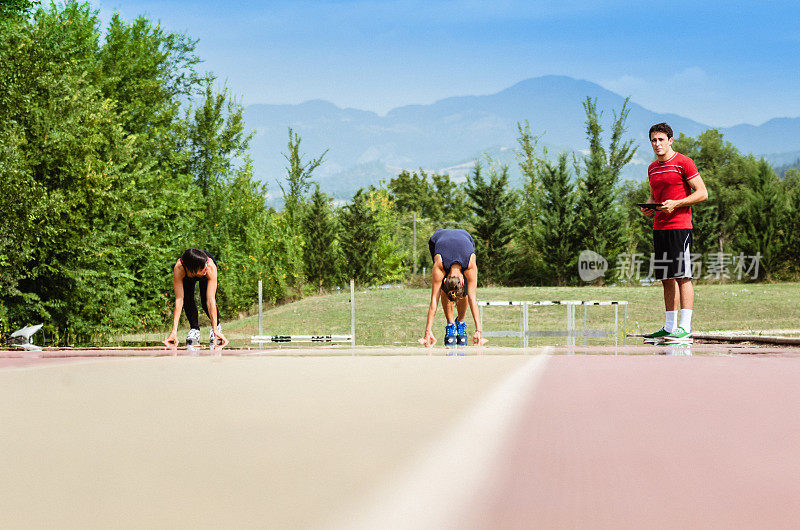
(414, 224)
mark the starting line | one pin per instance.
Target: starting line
(570, 331)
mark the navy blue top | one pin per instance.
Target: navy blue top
(454, 245)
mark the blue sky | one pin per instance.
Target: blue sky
(720, 63)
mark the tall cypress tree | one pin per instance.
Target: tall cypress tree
(494, 212)
(601, 222)
(359, 236)
(530, 261)
(321, 252)
(557, 219)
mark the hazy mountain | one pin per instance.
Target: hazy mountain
(450, 134)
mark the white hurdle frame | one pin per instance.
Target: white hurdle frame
(524, 333)
(321, 338)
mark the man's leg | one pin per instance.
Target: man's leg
(672, 301)
(686, 289)
(671, 304)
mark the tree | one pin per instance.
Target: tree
(16, 8)
(558, 220)
(760, 219)
(638, 227)
(412, 193)
(723, 170)
(530, 257)
(298, 181)
(451, 199)
(216, 137)
(601, 223)
(494, 213)
(791, 227)
(100, 164)
(359, 236)
(298, 177)
(321, 254)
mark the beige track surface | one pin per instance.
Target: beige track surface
(308, 438)
(188, 442)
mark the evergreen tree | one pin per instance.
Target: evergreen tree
(601, 222)
(298, 178)
(791, 224)
(494, 213)
(760, 219)
(531, 267)
(359, 237)
(321, 253)
(558, 220)
(298, 182)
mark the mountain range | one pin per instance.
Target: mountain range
(449, 135)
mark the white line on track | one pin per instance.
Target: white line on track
(435, 491)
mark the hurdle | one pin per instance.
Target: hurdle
(570, 333)
(319, 338)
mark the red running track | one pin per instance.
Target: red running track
(652, 442)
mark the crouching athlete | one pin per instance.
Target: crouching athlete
(454, 278)
(195, 266)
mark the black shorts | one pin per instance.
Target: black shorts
(673, 253)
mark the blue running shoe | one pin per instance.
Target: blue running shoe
(450, 335)
(461, 332)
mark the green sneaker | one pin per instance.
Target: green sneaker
(657, 337)
(679, 336)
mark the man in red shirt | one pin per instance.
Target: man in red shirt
(676, 184)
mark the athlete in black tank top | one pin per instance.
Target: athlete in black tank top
(195, 266)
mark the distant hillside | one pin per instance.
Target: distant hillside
(450, 134)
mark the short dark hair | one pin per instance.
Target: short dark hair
(453, 288)
(662, 128)
(194, 260)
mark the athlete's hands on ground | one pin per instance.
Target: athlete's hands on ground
(428, 340)
(477, 339)
(171, 340)
(220, 339)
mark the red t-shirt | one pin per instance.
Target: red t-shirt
(670, 180)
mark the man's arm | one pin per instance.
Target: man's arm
(437, 275)
(699, 194)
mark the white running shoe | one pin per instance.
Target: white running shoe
(193, 337)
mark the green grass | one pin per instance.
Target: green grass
(397, 316)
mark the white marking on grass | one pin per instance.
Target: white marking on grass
(435, 491)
